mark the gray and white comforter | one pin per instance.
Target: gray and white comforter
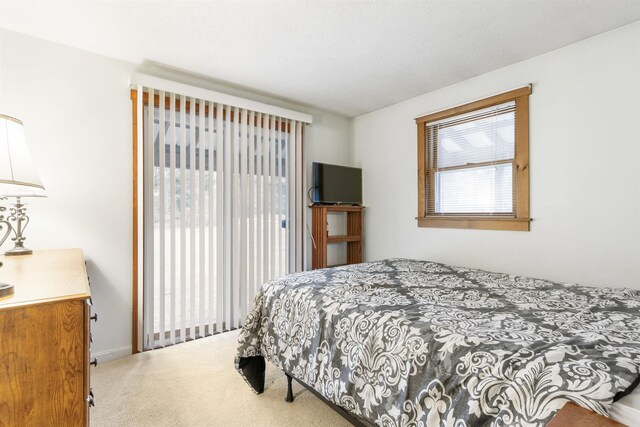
(414, 343)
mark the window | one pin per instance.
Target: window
(473, 164)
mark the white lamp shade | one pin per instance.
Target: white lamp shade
(18, 176)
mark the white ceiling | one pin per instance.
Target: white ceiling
(350, 57)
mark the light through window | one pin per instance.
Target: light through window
(471, 158)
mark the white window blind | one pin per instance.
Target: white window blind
(470, 159)
(223, 196)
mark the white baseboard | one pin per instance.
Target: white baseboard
(115, 353)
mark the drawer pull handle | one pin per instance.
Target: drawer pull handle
(94, 317)
(94, 362)
(90, 337)
(91, 400)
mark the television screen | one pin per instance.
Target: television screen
(333, 184)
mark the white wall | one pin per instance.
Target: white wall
(584, 158)
(77, 114)
(77, 118)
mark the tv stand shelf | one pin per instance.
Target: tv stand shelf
(353, 238)
(343, 238)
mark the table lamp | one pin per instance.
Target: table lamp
(18, 178)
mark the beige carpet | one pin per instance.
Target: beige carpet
(195, 384)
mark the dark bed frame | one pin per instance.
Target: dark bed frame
(341, 411)
(254, 370)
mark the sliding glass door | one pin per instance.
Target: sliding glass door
(222, 213)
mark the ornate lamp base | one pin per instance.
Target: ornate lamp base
(18, 215)
(18, 251)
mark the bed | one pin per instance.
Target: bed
(415, 343)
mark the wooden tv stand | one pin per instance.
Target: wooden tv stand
(321, 237)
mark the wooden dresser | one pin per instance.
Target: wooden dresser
(44, 340)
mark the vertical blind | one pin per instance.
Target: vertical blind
(470, 162)
(223, 197)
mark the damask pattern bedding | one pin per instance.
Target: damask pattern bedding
(415, 343)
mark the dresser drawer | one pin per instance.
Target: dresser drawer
(42, 365)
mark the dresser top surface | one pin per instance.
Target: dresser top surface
(44, 276)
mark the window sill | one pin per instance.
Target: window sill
(476, 223)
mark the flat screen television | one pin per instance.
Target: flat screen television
(333, 184)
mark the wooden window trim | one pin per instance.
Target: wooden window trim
(134, 219)
(519, 220)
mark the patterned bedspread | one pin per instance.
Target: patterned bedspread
(414, 343)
